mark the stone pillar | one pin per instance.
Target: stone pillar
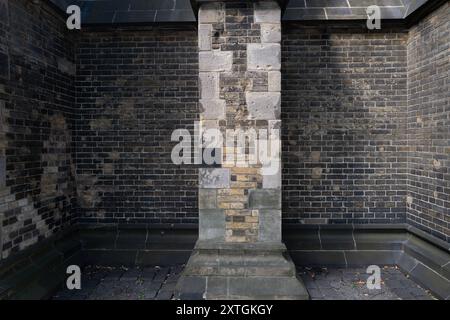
(239, 253)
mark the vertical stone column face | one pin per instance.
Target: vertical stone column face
(240, 84)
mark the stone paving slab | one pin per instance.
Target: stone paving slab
(351, 284)
(107, 283)
(158, 283)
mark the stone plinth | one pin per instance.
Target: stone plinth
(240, 271)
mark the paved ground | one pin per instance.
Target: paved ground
(351, 284)
(104, 283)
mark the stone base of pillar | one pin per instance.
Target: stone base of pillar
(261, 271)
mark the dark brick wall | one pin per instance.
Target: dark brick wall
(347, 125)
(428, 202)
(36, 116)
(134, 88)
(344, 102)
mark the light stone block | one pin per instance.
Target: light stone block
(207, 198)
(214, 178)
(266, 56)
(263, 105)
(267, 11)
(273, 181)
(274, 81)
(269, 225)
(211, 13)
(265, 199)
(271, 33)
(204, 37)
(209, 85)
(211, 225)
(212, 109)
(215, 60)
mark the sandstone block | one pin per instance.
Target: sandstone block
(274, 81)
(211, 224)
(215, 60)
(204, 37)
(265, 199)
(270, 32)
(211, 13)
(270, 225)
(263, 105)
(209, 85)
(212, 109)
(265, 56)
(207, 199)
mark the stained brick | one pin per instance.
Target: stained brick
(344, 99)
(428, 188)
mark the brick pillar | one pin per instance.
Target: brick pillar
(239, 251)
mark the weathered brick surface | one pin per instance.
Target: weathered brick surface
(36, 121)
(344, 124)
(357, 147)
(428, 205)
(134, 88)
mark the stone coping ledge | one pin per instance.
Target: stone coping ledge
(263, 246)
(297, 11)
(150, 226)
(385, 228)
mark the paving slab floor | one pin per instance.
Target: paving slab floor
(158, 283)
(351, 284)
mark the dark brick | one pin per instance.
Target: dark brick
(344, 98)
(134, 89)
(428, 186)
(36, 123)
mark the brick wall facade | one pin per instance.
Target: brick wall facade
(134, 88)
(357, 146)
(344, 138)
(36, 117)
(428, 202)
